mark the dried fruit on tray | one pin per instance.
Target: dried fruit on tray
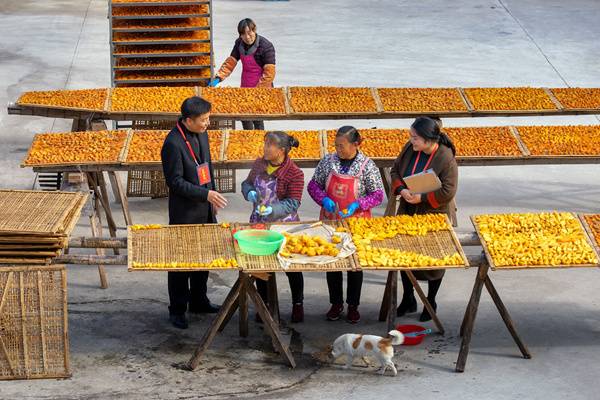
(148, 1)
(162, 75)
(593, 221)
(152, 99)
(507, 99)
(160, 23)
(385, 258)
(163, 49)
(219, 263)
(145, 146)
(377, 143)
(543, 239)
(164, 62)
(493, 141)
(87, 99)
(160, 36)
(76, 148)
(569, 140)
(309, 246)
(139, 227)
(248, 145)
(160, 10)
(421, 99)
(578, 98)
(335, 100)
(366, 230)
(245, 101)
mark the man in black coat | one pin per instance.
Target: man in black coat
(192, 200)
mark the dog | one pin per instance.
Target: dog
(353, 345)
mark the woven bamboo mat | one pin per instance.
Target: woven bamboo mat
(24, 212)
(249, 263)
(493, 265)
(179, 244)
(434, 244)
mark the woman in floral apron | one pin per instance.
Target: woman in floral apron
(346, 184)
(274, 187)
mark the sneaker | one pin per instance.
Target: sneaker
(178, 321)
(408, 305)
(353, 314)
(335, 312)
(206, 308)
(424, 317)
(297, 313)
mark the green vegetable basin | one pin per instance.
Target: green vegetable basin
(258, 242)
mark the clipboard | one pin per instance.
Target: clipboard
(423, 182)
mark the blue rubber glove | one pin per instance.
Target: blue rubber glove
(351, 209)
(328, 205)
(267, 211)
(252, 196)
(214, 82)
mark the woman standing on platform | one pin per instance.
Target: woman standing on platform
(274, 187)
(428, 148)
(346, 184)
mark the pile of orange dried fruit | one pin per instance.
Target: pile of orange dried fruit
(377, 143)
(161, 75)
(163, 49)
(160, 10)
(245, 101)
(151, 99)
(147, 1)
(421, 99)
(145, 146)
(159, 23)
(248, 145)
(160, 36)
(163, 62)
(578, 98)
(76, 148)
(88, 99)
(493, 141)
(593, 221)
(322, 99)
(576, 140)
(507, 99)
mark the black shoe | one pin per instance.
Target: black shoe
(406, 306)
(425, 314)
(178, 321)
(207, 308)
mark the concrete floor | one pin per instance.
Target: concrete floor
(121, 343)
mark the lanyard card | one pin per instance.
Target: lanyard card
(203, 174)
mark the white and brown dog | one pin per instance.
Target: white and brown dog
(353, 345)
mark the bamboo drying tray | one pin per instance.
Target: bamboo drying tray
(34, 339)
(591, 232)
(434, 244)
(260, 264)
(493, 265)
(179, 244)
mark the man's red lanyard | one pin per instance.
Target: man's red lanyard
(189, 146)
(428, 161)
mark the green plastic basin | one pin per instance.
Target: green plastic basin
(258, 242)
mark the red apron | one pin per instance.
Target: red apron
(343, 190)
(251, 71)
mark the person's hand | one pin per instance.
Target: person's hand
(406, 194)
(263, 211)
(415, 198)
(328, 205)
(252, 196)
(350, 210)
(217, 199)
(214, 82)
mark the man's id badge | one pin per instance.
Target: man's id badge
(203, 174)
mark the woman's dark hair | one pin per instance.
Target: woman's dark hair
(194, 106)
(350, 133)
(246, 23)
(282, 140)
(429, 129)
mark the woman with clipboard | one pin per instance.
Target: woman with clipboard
(428, 148)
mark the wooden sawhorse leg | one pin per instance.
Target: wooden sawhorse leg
(244, 283)
(466, 330)
(120, 196)
(389, 302)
